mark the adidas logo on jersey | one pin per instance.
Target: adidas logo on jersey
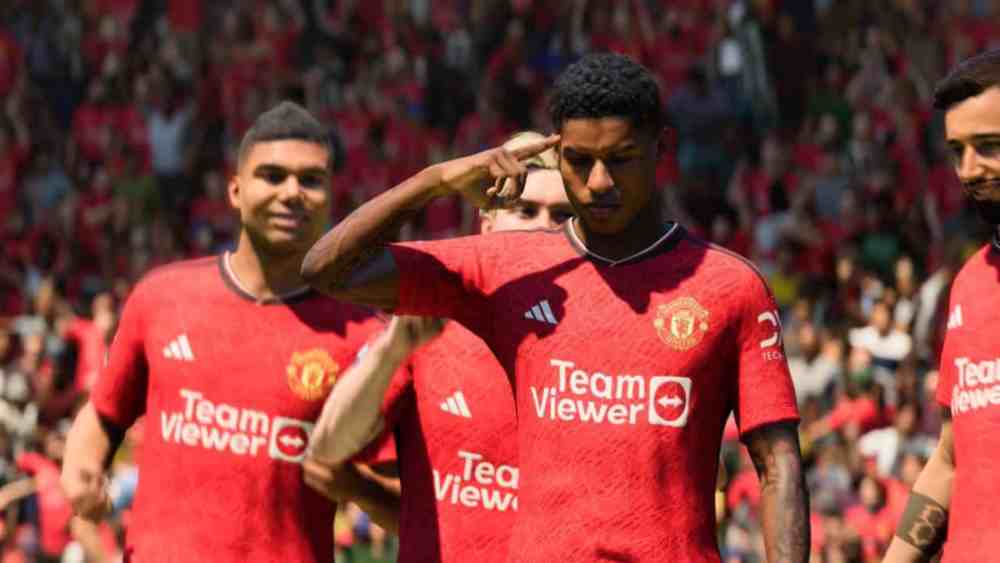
(179, 349)
(541, 312)
(955, 318)
(456, 405)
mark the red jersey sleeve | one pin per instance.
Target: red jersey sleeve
(764, 386)
(29, 462)
(120, 392)
(445, 278)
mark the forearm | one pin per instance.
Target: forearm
(330, 262)
(90, 442)
(785, 510)
(352, 415)
(89, 448)
(776, 456)
(924, 524)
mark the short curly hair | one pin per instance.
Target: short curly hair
(607, 85)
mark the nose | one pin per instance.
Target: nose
(970, 166)
(600, 180)
(290, 189)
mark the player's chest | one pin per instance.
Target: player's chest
(973, 362)
(270, 361)
(468, 407)
(680, 330)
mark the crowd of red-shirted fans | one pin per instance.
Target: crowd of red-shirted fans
(803, 138)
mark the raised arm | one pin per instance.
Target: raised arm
(351, 262)
(89, 448)
(774, 449)
(924, 524)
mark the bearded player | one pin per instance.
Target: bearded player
(954, 501)
(449, 407)
(229, 358)
(647, 339)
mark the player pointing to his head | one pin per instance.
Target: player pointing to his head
(229, 358)
(628, 341)
(449, 407)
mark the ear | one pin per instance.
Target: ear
(233, 189)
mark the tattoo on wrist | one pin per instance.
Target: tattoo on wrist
(924, 524)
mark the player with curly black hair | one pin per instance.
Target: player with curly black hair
(628, 341)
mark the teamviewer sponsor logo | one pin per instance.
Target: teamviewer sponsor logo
(481, 484)
(599, 398)
(977, 385)
(225, 428)
(668, 400)
(289, 438)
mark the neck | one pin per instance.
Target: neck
(644, 230)
(265, 276)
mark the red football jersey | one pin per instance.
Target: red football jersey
(969, 385)
(452, 413)
(624, 373)
(230, 389)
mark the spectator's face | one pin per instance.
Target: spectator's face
(972, 131)
(543, 205)
(881, 318)
(282, 194)
(609, 168)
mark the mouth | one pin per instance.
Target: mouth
(603, 211)
(287, 220)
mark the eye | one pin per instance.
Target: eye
(989, 149)
(526, 212)
(311, 181)
(274, 177)
(619, 160)
(955, 154)
(561, 217)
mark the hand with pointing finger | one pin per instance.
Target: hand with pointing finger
(480, 177)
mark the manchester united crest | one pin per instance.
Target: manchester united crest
(311, 374)
(682, 323)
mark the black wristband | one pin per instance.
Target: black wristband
(924, 524)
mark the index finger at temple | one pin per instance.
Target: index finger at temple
(531, 149)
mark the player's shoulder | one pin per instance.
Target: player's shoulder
(178, 276)
(981, 269)
(718, 260)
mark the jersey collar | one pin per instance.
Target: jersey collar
(673, 235)
(233, 283)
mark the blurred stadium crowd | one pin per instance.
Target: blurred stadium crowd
(803, 138)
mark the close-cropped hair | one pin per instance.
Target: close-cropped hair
(285, 121)
(607, 85)
(968, 79)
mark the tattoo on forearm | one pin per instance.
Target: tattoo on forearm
(924, 524)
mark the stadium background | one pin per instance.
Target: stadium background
(803, 139)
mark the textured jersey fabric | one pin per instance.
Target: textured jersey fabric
(969, 385)
(452, 412)
(624, 376)
(229, 389)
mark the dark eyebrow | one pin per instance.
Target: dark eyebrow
(268, 168)
(613, 151)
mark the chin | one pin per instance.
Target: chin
(989, 211)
